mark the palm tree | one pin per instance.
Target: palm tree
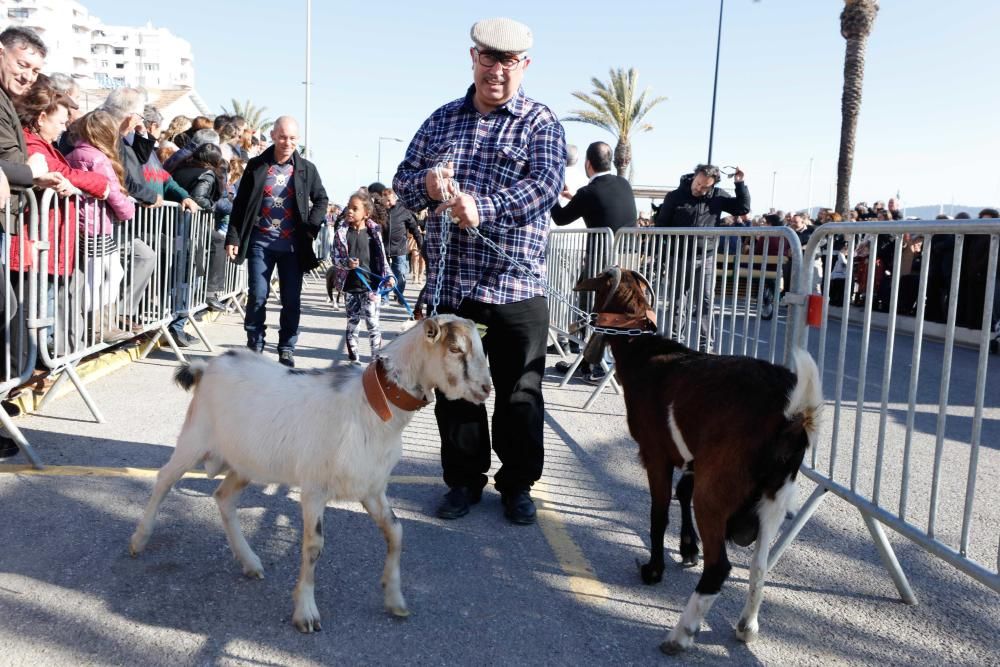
(855, 25)
(254, 115)
(617, 110)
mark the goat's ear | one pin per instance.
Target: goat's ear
(432, 329)
(589, 284)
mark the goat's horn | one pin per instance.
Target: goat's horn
(615, 273)
(652, 292)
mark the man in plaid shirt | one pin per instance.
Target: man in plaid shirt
(503, 156)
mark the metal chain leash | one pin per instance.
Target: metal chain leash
(584, 319)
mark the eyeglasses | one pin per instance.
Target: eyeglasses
(489, 59)
(728, 172)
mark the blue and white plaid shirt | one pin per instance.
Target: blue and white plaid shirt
(512, 162)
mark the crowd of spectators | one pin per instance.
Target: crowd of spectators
(122, 154)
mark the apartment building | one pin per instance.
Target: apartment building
(100, 55)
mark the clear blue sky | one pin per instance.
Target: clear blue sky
(928, 124)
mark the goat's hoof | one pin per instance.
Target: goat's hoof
(689, 560)
(307, 623)
(136, 545)
(253, 573)
(650, 573)
(308, 626)
(671, 647)
(399, 612)
(747, 631)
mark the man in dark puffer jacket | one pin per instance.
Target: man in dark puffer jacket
(697, 202)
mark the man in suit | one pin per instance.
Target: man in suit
(605, 202)
(279, 209)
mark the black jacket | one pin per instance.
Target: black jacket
(607, 201)
(681, 208)
(13, 151)
(394, 233)
(201, 183)
(310, 200)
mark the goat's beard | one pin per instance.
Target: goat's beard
(594, 352)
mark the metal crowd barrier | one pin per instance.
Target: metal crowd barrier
(573, 254)
(70, 296)
(716, 289)
(18, 294)
(915, 448)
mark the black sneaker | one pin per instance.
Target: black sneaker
(8, 448)
(287, 358)
(456, 502)
(564, 366)
(181, 338)
(594, 377)
(215, 305)
(519, 508)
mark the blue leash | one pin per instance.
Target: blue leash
(382, 290)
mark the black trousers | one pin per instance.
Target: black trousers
(515, 341)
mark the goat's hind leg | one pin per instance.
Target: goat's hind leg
(716, 572)
(771, 513)
(183, 459)
(689, 537)
(227, 496)
(305, 617)
(379, 509)
(660, 478)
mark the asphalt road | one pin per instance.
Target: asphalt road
(563, 592)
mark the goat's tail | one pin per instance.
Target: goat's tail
(188, 375)
(805, 403)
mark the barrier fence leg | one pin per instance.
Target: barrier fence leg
(805, 512)
(609, 376)
(201, 334)
(84, 394)
(51, 392)
(889, 559)
(239, 307)
(18, 437)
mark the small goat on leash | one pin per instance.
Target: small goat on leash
(741, 425)
(334, 434)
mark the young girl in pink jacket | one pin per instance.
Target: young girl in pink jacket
(97, 138)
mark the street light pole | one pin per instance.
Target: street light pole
(715, 83)
(378, 170)
(306, 139)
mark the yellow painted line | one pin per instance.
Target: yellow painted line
(89, 471)
(583, 581)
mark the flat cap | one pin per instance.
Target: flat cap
(501, 34)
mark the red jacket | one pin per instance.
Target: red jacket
(92, 184)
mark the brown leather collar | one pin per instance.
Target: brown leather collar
(380, 391)
(646, 322)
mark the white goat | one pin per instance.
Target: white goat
(331, 433)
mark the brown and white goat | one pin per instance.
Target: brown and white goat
(335, 434)
(742, 426)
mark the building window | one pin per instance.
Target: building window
(119, 65)
(119, 51)
(18, 13)
(138, 52)
(151, 67)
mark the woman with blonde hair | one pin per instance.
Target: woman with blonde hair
(96, 135)
(179, 125)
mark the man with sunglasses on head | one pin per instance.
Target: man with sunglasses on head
(698, 202)
(501, 156)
